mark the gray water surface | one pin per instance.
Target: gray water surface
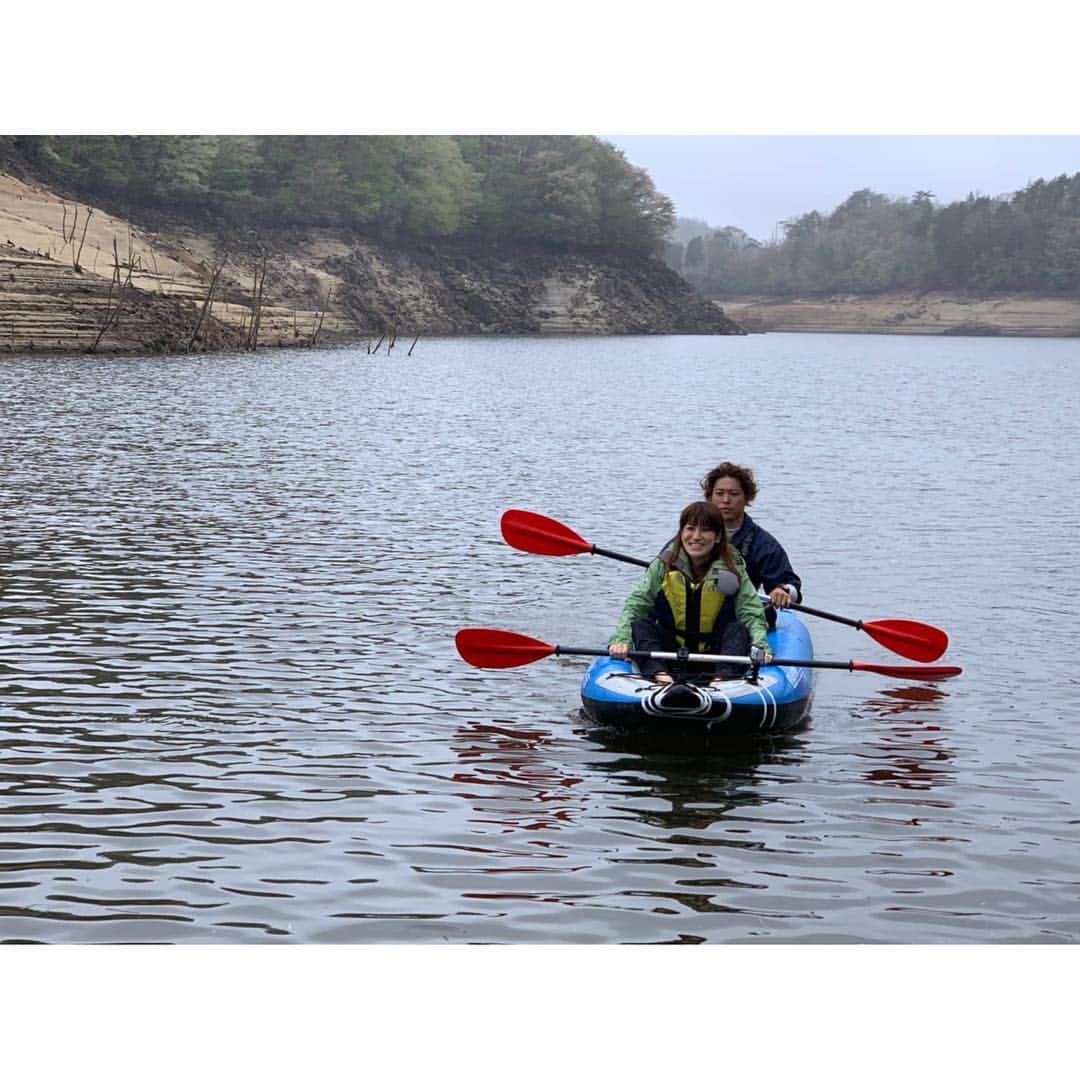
(231, 709)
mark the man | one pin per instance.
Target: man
(731, 489)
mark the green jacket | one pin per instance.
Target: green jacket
(641, 602)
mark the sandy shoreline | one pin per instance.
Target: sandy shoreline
(912, 313)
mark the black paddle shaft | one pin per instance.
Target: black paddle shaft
(622, 558)
(707, 658)
(857, 623)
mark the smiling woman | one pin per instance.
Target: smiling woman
(695, 595)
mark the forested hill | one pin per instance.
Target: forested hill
(178, 243)
(565, 192)
(871, 244)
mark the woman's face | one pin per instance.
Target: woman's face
(698, 541)
(727, 496)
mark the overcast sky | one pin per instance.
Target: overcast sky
(754, 181)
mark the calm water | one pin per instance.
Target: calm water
(231, 710)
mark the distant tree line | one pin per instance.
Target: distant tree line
(556, 190)
(871, 243)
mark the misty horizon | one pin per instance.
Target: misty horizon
(757, 182)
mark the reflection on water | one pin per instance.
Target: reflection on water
(907, 699)
(688, 817)
(510, 780)
(687, 790)
(231, 710)
(905, 747)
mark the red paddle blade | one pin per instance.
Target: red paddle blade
(539, 535)
(499, 648)
(930, 673)
(915, 640)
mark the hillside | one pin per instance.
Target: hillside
(887, 264)
(74, 278)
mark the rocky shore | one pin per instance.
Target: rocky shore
(911, 313)
(74, 278)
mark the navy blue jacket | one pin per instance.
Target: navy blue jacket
(766, 561)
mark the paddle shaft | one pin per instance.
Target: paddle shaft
(622, 558)
(483, 647)
(857, 623)
(717, 658)
(647, 654)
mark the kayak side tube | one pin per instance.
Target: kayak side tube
(615, 694)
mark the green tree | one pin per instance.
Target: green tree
(234, 167)
(633, 214)
(439, 189)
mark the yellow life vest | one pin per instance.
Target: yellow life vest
(692, 607)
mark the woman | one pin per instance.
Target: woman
(696, 595)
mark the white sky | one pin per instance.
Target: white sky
(754, 181)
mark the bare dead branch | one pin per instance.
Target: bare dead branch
(114, 282)
(257, 300)
(317, 326)
(86, 225)
(207, 302)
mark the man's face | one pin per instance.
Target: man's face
(727, 496)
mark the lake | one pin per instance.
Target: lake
(231, 710)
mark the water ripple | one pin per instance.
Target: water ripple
(231, 711)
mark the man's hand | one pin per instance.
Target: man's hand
(780, 597)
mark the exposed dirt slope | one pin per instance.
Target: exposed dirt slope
(74, 278)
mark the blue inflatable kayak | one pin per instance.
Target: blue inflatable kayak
(614, 694)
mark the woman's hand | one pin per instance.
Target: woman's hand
(619, 649)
